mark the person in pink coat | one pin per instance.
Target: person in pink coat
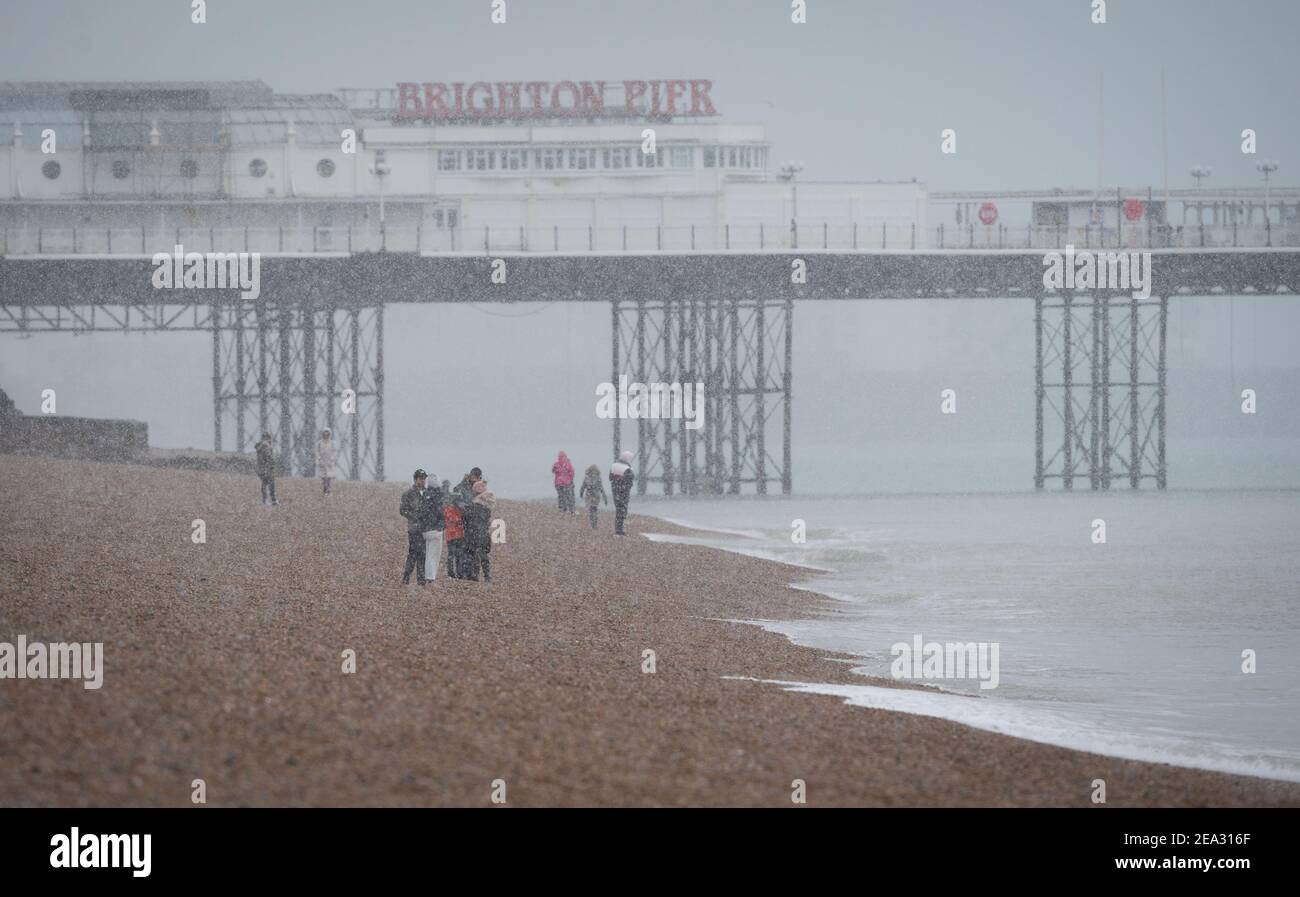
(563, 470)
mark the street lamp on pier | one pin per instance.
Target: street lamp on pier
(1266, 167)
(790, 171)
(381, 170)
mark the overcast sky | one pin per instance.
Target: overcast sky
(861, 91)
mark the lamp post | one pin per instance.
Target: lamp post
(1266, 168)
(381, 170)
(789, 171)
(1199, 173)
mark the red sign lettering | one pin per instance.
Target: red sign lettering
(438, 101)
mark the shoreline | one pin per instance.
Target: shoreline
(1138, 748)
(222, 663)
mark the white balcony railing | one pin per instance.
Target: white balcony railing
(577, 239)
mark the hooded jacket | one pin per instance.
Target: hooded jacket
(593, 490)
(563, 470)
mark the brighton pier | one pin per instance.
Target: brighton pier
(283, 362)
(344, 202)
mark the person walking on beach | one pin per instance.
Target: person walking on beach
(620, 485)
(593, 493)
(266, 468)
(415, 507)
(563, 471)
(478, 532)
(454, 531)
(327, 456)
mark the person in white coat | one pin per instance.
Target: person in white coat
(327, 456)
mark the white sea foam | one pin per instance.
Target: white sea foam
(1132, 648)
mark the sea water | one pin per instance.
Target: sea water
(1132, 647)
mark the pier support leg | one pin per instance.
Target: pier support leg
(1039, 393)
(1122, 433)
(312, 361)
(741, 349)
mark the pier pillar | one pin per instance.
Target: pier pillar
(311, 361)
(740, 348)
(1100, 370)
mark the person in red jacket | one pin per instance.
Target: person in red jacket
(563, 470)
(454, 531)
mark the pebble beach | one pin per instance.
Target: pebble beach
(225, 662)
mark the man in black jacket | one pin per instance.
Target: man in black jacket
(465, 488)
(417, 507)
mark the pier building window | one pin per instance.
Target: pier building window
(582, 159)
(325, 168)
(590, 158)
(547, 159)
(52, 170)
(735, 157)
(189, 168)
(121, 169)
(257, 168)
(650, 160)
(619, 157)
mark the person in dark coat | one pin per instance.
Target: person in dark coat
(417, 507)
(431, 524)
(620, 487)
(266, 468)
(593, 493)
(478, 532)
(465, 488)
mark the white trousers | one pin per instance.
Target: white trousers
(432, 552)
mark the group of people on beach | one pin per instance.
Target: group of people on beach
(592, 491)
(463, 516)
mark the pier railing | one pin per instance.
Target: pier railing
(747, 238)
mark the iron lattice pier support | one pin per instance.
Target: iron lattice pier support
(1100, 387)
(740, 349)
(291, 369)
